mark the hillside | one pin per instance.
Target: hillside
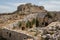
(20, 13)
(27, 9)
(31, 20)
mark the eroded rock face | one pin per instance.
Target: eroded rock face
(52, 31)
(21, 12)
(26, 9)
(30, 8)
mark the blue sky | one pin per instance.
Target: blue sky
(11, 5)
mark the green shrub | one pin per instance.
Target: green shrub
(33, 21)
(37, 23)
(19, 24)
(49, 15)
(28, 24)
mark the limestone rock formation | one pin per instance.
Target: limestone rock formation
(44, 17)
(30, 8)
(34, 20)
(21, 12)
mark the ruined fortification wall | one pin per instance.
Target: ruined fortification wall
(30, 8)
(21, 12)
(13, 35)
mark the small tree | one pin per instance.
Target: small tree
(28, 24)
(19, 24)
(33, 21)
(37, 23)
(49, 15)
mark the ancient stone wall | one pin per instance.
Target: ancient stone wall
(29, 8)
(13, 35)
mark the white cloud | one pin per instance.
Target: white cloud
(51, 5)
(9, 7)
(4, 7)
(15, 4)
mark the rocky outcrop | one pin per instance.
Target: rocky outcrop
(44, 17)
(21, 12)
(46, 30)
(29, 8)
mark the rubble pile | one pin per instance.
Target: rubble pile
(51, 32)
